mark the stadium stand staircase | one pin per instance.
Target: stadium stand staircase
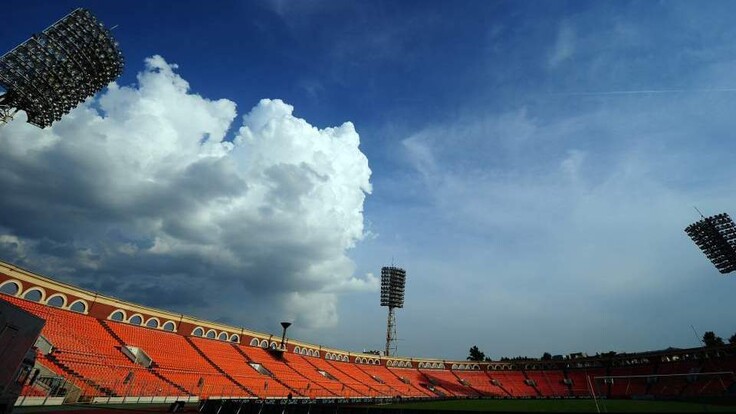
(419, 381)
(392, 380)
(76, 375)
(534, 385)
(308, 372)
(345, 379)
(468, 384)
(247, 357)
(218, 368)
(352, 371)
(450, 383)
(480, 382)
(508, 383)
(152, 368)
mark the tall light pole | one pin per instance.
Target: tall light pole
(283, 335)
(393, 282)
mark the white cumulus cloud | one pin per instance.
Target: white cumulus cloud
(140, 194)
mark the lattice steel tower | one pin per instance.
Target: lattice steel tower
(393, 282)
(51, 73)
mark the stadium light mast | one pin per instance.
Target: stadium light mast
(393, 282)
(716, 237)
(51, 73)
(284, 325)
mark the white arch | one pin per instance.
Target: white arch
(63, 297)
(81, 301)
(153, 319)
(18, 284)
(121, 312)
(169, 323)
(130, 320)
(273, 345)
(345, 358)
(476, 367)
(264, 343)
(40, 290)
(296, 349)
(222, 336)
(235, 338)
(254, 342)
(198, 331)
(213, 332)
(316, 354)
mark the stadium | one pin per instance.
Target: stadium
(100, 350)
(139, 229)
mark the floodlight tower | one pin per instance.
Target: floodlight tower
(393, 282)
(716, 237)
(51, 73)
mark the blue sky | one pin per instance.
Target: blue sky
(532, 165)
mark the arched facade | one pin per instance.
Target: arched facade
(79, 306)
(48, 292)
(11, 287)
(57, 300)
(118, 315)
(35, 294)
(136, 319)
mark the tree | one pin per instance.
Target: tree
(476, 354)
(546, 356)
(732, 339)
(710, 339)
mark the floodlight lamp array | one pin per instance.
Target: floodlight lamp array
(393, 282)
(51, 73)
(716, 237)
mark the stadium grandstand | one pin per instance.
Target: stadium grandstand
(98, 349)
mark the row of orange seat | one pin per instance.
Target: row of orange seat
(87, 352)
